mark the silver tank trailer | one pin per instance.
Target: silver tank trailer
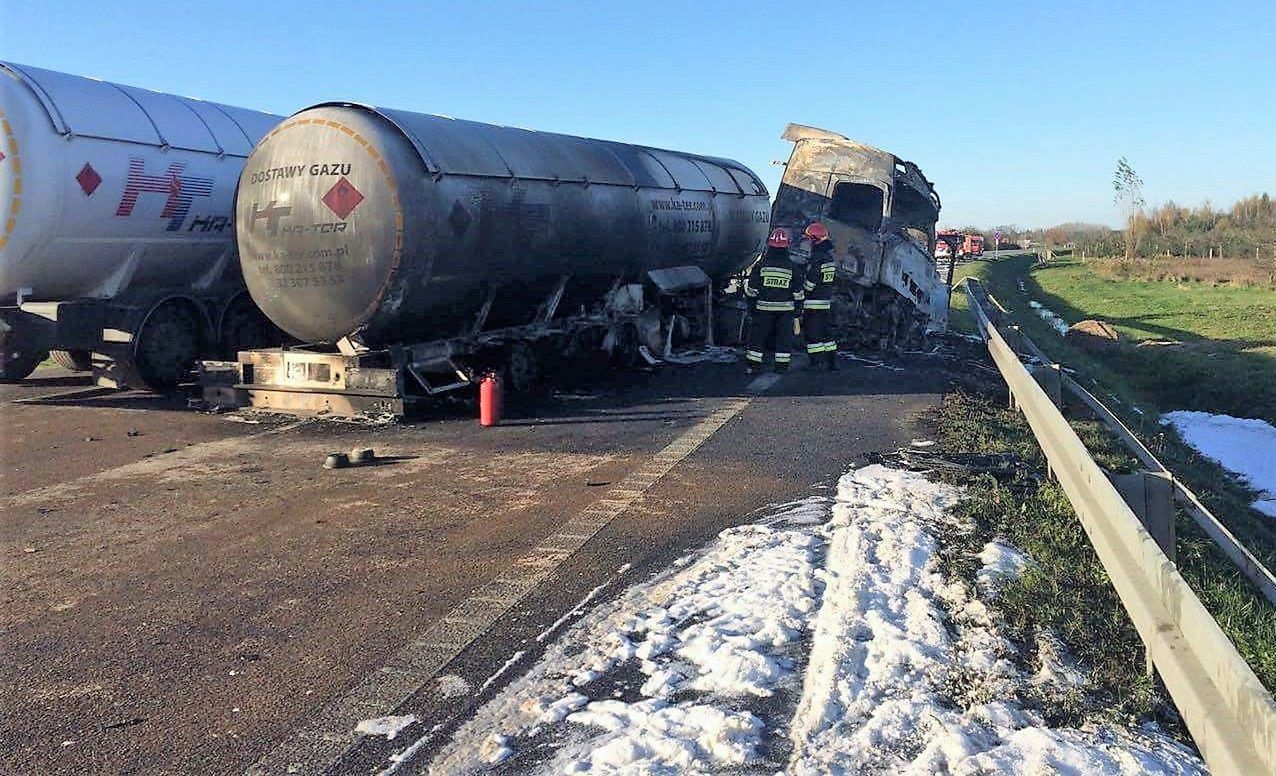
(117, 200)
(383, 226)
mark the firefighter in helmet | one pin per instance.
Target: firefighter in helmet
(817, 310)
(776, 293)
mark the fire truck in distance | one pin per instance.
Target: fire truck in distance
(953, 243)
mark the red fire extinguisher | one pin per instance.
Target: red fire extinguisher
(489, 400)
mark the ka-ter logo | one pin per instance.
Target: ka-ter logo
(271, 215)
(181, 190)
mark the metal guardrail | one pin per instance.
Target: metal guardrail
(1238, 553)
(1232, 547)
(1231, 716)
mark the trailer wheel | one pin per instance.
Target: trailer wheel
(169, 343)
(245, 327)
(75, 360)
(18, 365)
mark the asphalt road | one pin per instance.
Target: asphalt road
(183, 593)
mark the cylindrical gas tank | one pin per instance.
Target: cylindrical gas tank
(394, 227)
(105, 187)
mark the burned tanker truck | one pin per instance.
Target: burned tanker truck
(116, 243)
(881, 213)
(415, 253)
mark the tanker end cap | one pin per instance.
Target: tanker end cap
(796, 132)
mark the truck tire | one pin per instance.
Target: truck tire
(170, 342)
(245, 327)
(75, 360)
(19, 365)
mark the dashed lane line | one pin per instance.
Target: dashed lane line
(323, 740)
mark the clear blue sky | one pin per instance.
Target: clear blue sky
(1016, 111)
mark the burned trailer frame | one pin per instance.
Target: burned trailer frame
(881, 213)
(654, 312)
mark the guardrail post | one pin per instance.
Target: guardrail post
(1050, 378)
(1151, 497)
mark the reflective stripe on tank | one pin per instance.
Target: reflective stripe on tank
(9, 216)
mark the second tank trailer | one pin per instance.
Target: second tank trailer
(427, 249)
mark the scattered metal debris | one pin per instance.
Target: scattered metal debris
(999, 465)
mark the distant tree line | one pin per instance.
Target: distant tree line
(1246, 230)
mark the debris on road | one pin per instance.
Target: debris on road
(336, 461)
(385, 726)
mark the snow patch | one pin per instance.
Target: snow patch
(451, 686)
(687, 651)
(384, 726)
(1244, 446)
(889, 689)
(1002, 562)
(1048, 315)
(699, 669)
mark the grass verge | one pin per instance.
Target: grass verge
(1067, 592)
(1124, 386)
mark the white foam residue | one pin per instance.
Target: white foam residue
(451, 686)
(878, 692)
(514, 658)
(722, 626)
(384, 726)
(1048, 315)
(826, 625)
(1245, 446)
(1001, 562)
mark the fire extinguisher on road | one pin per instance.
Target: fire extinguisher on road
(490, 400)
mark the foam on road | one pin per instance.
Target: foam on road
(820, 638)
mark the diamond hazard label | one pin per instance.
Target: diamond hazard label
(88, 179)
(342, 198)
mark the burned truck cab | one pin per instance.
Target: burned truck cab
(881, 212)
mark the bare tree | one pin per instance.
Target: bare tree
(1127, 195)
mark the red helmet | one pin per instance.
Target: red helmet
(779, 238)
(816, 232)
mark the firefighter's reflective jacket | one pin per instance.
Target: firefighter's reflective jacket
(771, 283)
(820, 273)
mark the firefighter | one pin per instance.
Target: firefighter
(817, 315)
(776, 293)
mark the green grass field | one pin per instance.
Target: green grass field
(1190, 345)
